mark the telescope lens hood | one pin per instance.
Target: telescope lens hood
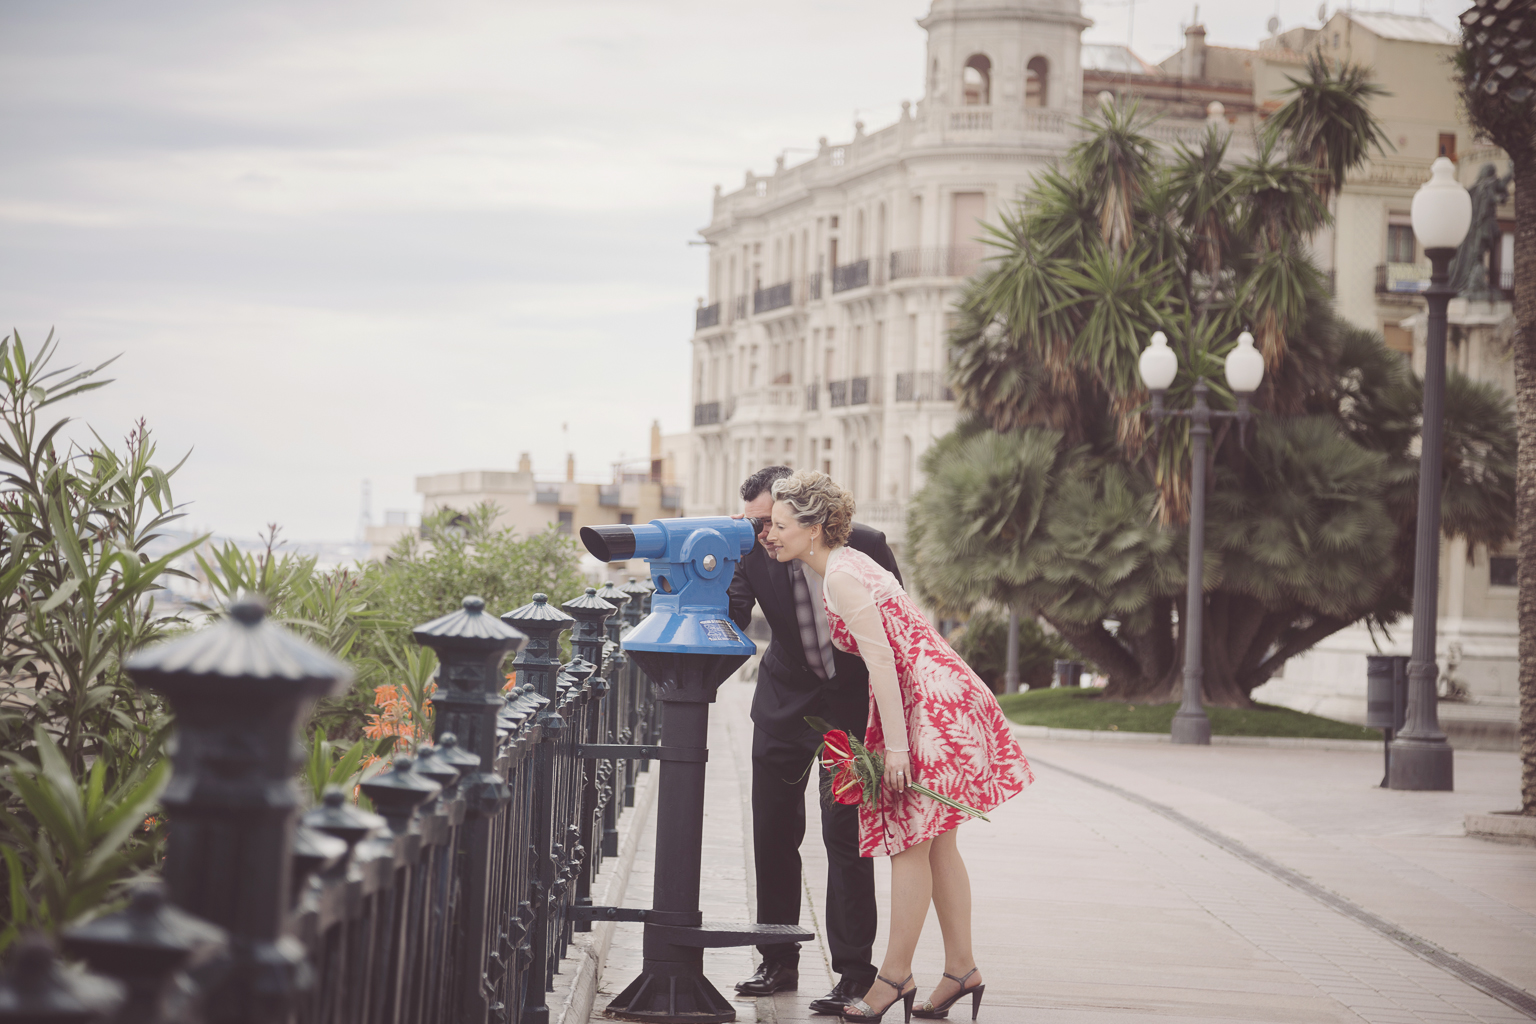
(609, 543)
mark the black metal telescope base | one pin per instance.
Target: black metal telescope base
(671, 988)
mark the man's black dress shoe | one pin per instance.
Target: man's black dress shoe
(770, 978)
(844, 992)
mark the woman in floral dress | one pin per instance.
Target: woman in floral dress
(931, 719)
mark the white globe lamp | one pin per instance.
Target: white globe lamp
(1158, 364)
(1245, 366)
(1442, 208)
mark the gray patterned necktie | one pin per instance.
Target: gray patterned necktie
(818, 647)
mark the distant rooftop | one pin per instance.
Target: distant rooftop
(1407, 27)
(1115, 58)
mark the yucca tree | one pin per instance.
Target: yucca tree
(1327, 121)
(1052, 495)
(1497, 69)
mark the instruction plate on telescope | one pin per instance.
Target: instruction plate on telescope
(720, 629)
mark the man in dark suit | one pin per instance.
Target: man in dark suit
(802, 674)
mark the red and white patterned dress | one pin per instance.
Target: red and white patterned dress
(959, 740)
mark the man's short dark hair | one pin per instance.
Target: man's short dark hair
(763, 480)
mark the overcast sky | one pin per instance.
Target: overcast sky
(338, 241)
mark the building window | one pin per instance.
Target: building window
(977, 78)
(626, 519)
(1447, 146)
(567, 520)
(1399, 243)
(1502, 571)
(1036, 78)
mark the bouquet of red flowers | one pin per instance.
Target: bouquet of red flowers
(856, 771)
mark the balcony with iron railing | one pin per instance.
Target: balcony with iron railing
(776, 297)
(949, 261)
(740, 308)
(812, 397)
(854, 391)
(1402, 278)
(922, 386)
(813, 286)
(706, 414)
(850, 276)
(706, 316)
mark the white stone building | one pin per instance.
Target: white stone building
(831, 283)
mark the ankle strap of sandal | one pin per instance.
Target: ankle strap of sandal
(951, 977)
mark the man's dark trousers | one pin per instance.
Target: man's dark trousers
(782, 750)
(779, 777)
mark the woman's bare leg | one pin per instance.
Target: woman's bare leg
(911, 893)
(952, 903)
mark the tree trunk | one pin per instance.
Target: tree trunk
(1525, 474)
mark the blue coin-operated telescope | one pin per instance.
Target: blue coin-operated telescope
(692, 563)
(688, 646)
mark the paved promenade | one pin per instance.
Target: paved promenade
(1142, 880)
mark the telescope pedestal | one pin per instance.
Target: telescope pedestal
(671, 988)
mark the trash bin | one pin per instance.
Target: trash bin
(1068, 673)
(1386, 700)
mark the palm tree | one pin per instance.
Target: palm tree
(1498, 80)
(1069, 512)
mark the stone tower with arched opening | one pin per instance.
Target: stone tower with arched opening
(1005, 55)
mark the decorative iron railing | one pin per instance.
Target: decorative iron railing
(950, 261)
(837, 393)
(813, 286)
(706, 414)
(741, 307)
(812, 397)
(454, 903)
(850, 275)
(922, 386)
(706, 316)
(777, 297)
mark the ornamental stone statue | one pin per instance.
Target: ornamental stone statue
(1469, 271)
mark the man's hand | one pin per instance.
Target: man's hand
(898, 770)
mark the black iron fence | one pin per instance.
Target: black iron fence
(453, 903)
(706, 316)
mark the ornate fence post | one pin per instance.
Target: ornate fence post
(614, 730)
(238, 689)
(34, 988)
(588, 641)
(636, 712)
(536, 665)
(145, 947)
(470, 646)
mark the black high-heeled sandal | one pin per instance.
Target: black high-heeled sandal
(861, 1012)
(931, 1012)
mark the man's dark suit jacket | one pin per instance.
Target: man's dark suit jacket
(787, 689)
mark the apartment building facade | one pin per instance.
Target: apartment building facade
(831, 284)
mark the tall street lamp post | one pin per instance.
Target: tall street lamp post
(1421, 757)
(1245, 369)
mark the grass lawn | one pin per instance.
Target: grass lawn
(1073, 708)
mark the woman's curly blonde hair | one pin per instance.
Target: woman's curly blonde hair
(815, 499)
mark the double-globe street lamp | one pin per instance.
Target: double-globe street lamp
(1245, 370)
(1421, 757)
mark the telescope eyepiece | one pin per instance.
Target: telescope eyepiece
(609, 543)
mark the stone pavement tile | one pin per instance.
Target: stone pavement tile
(1402, 855)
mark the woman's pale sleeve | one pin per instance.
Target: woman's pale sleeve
(856, 606)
